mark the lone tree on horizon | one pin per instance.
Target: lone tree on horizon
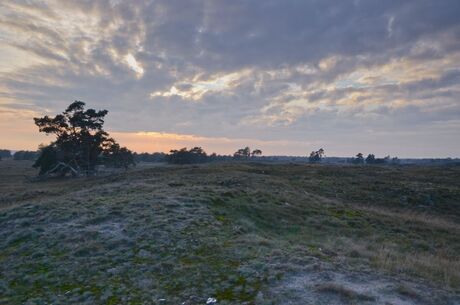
(242, 153)
(256, 152)
(370, 159)
(81, 142)
(316, 156)
(359, 159)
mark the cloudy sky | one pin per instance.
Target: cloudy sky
(286, 76)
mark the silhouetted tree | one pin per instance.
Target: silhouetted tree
(370, 159)
(242, 153)
(256, 152)
(359, 159)
(184, 156)
(316, 156)
(80, 140)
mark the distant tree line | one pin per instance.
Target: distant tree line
(198, 155)
(187, 156)
(371, 159)
(19, 155)
(153, 157)
(317, 156)
(26, 155)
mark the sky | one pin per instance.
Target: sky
(285, 76)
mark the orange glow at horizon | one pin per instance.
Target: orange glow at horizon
(18, 132)
(164, 142)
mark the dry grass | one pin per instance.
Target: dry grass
(411, 216)
(436, 267)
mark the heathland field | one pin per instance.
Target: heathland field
(242, 233)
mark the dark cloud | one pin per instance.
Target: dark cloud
(296, 70)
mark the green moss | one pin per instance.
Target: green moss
(345, 213)
(41, 269)
(240, 290)
(221, 218)
(66, 286)
(113, 300)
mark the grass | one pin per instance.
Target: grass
(232, 231)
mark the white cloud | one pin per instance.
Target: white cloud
(134, 65)
(195, 88)
(391, 21)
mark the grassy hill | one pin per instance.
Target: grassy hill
(243, 233)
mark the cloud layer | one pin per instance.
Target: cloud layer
(370, 76)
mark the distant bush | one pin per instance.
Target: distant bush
(371, 159)
(359, 159)
(25, 155)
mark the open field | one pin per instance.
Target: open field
(243, 233)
